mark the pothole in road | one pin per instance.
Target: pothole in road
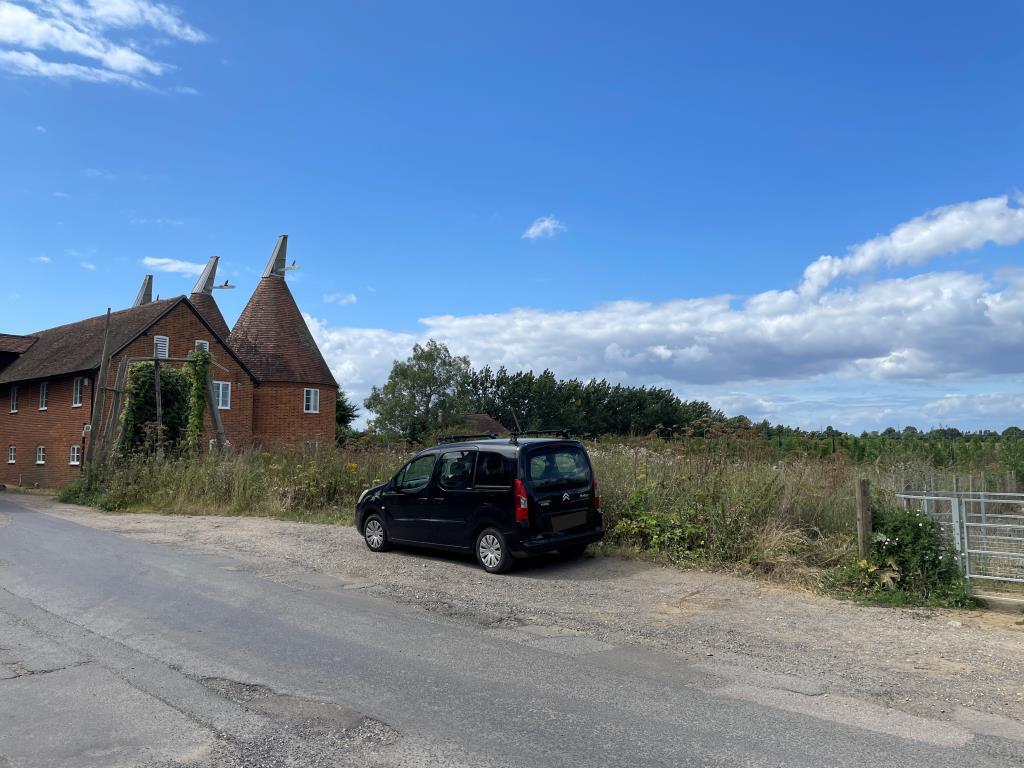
(307, 732)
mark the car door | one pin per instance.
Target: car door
(453, 499)
(408, 497)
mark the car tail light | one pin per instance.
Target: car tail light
(597, 495)
(522, 503)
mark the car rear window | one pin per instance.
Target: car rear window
(557, 466)
(493, 469)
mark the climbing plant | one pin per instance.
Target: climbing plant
(197, 371)
(139, 424)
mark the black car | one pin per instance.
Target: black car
(499, 498)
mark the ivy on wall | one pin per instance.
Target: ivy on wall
(139, 416)
(197, 371)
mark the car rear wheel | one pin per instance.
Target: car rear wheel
(492, 551)
(375, 534)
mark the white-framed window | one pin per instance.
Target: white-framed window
(161, 346)
(76, 392)
(40, 454)
(44, 396)
(12, 454)
(14, 399)
(311, 400)
(202, 344)
(222, 395)
(76, 455)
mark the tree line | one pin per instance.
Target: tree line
(433, 392)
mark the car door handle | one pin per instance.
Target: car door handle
(438, 501)
(421, 500)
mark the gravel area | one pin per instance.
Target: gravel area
(936, 663)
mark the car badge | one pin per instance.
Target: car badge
(566, 497)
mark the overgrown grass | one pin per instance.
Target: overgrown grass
(310, 486)
(791, 519)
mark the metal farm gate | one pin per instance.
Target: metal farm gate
(987, 530)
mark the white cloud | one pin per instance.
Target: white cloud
(33, 31)
(186, 90)
(340, 298)
(985, 405)
(174, 266)
(88, 265)
(128, 14)
(899, 338)
(945, 230)
(41, 259)
(543, 227)
(39, 129)
(98, 173)
(62, 195)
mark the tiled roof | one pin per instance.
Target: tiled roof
(274, 341)
(78, 346)
(481, 423)
(15, 344)
(210, 312)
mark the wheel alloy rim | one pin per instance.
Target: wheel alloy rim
(490, 551)
(374, 534)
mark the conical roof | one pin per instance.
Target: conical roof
(271, 337)
(202, 299)
(207, 308)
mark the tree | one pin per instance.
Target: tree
(423, 394)
(345, 413)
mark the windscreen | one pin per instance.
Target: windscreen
(557, 466)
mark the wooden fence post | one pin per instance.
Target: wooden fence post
(863, 517)
(99, 393)
(212, 405)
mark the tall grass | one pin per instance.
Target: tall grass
(312, 486)
(713, 504)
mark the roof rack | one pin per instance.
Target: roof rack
(563, 433)
(464, 438)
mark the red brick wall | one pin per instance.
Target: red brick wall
(183, 328)
(268, 414)
(278, 416)
(60, 426)
(57, 429)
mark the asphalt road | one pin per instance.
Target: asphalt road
(115, 651)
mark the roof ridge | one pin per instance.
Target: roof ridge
(113, 313)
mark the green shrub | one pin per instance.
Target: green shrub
(911, 561)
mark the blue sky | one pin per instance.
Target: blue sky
(679, 168)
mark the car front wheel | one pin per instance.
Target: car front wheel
(492, 551)
(375, 534)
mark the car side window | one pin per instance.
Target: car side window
(416, 473)
(457, 470)
(493, 469)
